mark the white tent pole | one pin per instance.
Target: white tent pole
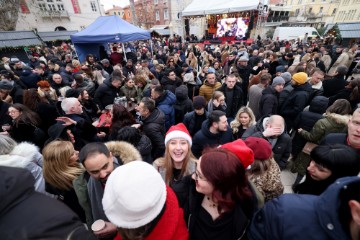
(123, 48)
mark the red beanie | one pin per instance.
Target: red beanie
(178, 131)
(261, 148)
(243, 152)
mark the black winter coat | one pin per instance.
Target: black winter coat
(190, 200)
(105, 94)
(237, 100)
(154, 128)
(183, 104)
(295, 103)
(306, 120)
(334, 85)
(189, 122)
(35, 215)
(269, 101)
(169, 84)
(204, 138)
(282, 148)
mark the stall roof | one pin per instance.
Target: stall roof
(57, 35)
(18, 38)
(200, 7)
(162, 32)
(347, 30)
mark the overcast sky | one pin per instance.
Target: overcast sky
(109, 3)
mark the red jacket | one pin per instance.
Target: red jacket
(171, 225)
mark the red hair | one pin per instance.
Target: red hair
(43, 84)
(226, 173)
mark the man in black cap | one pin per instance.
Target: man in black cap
(194, 119)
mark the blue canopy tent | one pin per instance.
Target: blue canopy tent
(108, 29)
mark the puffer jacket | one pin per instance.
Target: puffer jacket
(318, 215)
(207, 90)
(26, 155)
(166, 104)
(154, 128)
(332, 123)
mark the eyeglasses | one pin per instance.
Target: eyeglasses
(171, 61)
(197, 177)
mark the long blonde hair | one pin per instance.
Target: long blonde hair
(235, 124)
(168, 164)
(57, 170)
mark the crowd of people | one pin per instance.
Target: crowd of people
(180, 141)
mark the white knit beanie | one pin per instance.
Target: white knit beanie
(134, 195)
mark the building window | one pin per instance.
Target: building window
(321, 10)
(334, 11)
(310, 10)
(313, 0)
(128, 14)
(114, 13)
(297, 11)
(50, 1)
(61, 7)
(51, 7)
(156, 1)
(299, 2)
(42, 7)
(123, 13)
(166, 13)
(157, 15)
(93, 6)
(119, 13)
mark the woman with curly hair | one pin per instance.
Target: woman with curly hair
(244, 119)
(60, 169)
(121, 117)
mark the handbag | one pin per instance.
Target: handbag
(309, 146)
(39, 136)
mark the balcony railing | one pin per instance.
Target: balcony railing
(54, 14)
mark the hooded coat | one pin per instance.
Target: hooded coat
(183, 104)
(269, 102)
(318, 216)
(26, 155)
(169, 84)
(154, 128)
(123, 152)
(295, 103)
(27, 214)
(204, 138)
(331, 123)
(165, 103)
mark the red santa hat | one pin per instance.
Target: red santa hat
(243, 152)
(178, 131)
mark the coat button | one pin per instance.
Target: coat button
(330, 226)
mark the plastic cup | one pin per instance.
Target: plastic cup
(98, 225)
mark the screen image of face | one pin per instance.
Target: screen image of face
(231, 27)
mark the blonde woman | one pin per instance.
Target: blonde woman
(60, 168)
(264, 171)
(244, 119)
(192, 61)
(178, 160)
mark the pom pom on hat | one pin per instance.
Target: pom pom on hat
(178, 131)
(261, 148)
(243, 152)
(278, 81)
(300, 78)
(134, 195)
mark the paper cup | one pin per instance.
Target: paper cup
(98, 225)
